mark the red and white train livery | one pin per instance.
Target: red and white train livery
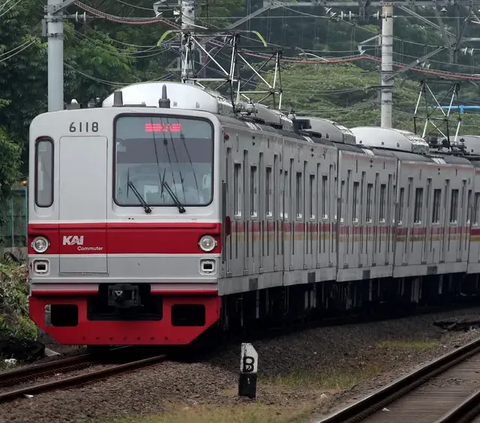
(152, 220)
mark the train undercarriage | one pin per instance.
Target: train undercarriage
(131, 314)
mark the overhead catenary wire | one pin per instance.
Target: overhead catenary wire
(10, 8)
(147, 21)
(25, 46)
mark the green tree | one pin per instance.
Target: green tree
(10, 153)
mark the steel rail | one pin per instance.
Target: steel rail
(42, 369)
(465, 412)
(374, 402)
(80, 379)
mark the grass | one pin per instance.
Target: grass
(326, 380)
(276, 411)
(245, 413)
(408, 345)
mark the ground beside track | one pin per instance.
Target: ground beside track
(301, 376)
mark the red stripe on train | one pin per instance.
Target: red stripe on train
(125, 238)
(182, 238)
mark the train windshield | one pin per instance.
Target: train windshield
(158, 155)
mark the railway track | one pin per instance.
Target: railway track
(25, 381)
(446, 390)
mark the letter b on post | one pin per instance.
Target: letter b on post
(247, 385)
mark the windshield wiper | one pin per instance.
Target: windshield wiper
(175, 199)
(146, 207)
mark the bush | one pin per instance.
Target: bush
(14, 290)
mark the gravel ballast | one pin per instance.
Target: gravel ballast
(301, 375)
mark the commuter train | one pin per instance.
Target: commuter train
(167, 212)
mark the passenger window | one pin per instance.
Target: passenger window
(469, 206)
(454, 206)
(369, 202)
(299, 195)
(286, 196)
(269, 196)
(44, 172)
(476, 208)
(437, 195)
(383, 190)
(312, 196)
(237, 190)
(253, 191)
(418, 205)
(324, 197)
(281, 192)
(400, 207)
(355, 202)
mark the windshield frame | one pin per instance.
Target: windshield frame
(161, 116)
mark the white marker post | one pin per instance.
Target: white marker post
(247, 384)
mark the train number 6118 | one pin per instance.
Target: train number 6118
(83, 127)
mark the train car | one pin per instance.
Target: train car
(433, 198)
(167, 212)
(471, 144)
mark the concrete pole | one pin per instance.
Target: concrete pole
(55, 56)
(387, 66)
(188, 21)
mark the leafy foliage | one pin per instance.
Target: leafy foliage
(10, 153)
(14, 319)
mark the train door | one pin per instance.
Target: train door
(376, 218)
(268, 228)
(427, 223)
(227, 202)
(237, 252)
(362, 260)
(332, 202)
(278, 195)
(389, 219)
(408, 222)
(462, 217)
(445, 220)
(286, 207)
(369, 226)
(246, 212)
(83, 204)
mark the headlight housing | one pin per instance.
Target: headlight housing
(40, 244)
(207, 243)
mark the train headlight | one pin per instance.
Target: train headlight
(40, 244)
(207, 243)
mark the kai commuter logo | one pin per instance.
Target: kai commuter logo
(78, 242)
(73, 240)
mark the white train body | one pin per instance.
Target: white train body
(275, 221)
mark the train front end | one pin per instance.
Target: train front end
(124, 225)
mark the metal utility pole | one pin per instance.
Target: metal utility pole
(188, 22)
(54, 20)
(387, 66)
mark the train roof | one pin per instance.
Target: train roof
(326, 129)
(234, 122)
(391, 139)
(471, 143)
(193, 97)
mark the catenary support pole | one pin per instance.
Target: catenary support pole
(188, 22)
(387, 66)
(55, 55)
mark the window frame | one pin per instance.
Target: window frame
(161, 116)
(52, 199)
